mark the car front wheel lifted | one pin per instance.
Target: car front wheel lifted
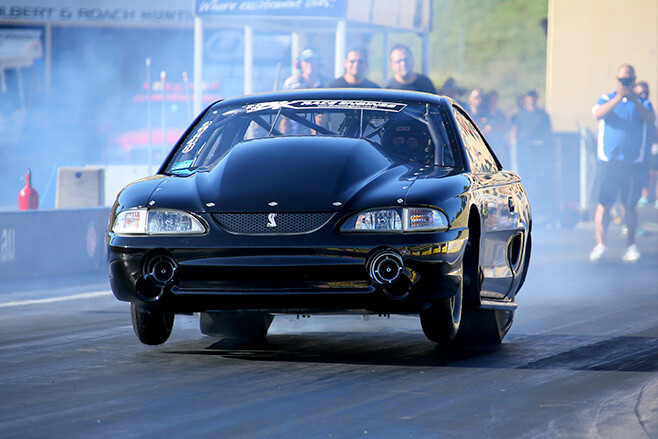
(151, 327)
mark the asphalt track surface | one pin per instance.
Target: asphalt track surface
(581, 361)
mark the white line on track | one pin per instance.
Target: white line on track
(56, 299)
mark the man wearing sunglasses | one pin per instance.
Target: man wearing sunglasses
(625, 120)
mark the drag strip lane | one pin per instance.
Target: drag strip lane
(91, 295)
(580, 361)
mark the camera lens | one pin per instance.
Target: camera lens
(626, 81)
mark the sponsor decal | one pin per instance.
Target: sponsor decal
(334, 8)
(189, 146)
(326, 103)
(182, 165)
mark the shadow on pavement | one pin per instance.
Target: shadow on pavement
(538, 352)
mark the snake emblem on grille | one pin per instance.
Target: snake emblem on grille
(270, 220)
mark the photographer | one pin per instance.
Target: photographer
(624, 123)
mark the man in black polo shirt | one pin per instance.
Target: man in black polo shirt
(404, 78)
(356, 67)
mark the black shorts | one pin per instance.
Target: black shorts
(619, 181)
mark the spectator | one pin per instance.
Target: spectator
(477, 108)
(307, 76)
(494, 111)
(624, 121)
(530, 127)
(530, 130)
(498, 134)
(307, 65)
(356, 67)
(520, 102)
(642, 89)
(453, 91)
(533, 156)
(650, 191)
(404, 78)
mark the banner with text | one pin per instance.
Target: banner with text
(128, 12)
(289, 8)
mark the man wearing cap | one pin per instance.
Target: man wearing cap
(308, 71)
(356, 67)
(404, 78)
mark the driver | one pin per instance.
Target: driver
(408, 139)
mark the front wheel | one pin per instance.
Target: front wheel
(441, 321)
(151, 327)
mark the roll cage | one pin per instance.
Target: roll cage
(222, 128)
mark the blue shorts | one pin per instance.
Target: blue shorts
(619, 181)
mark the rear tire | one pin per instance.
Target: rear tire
(247, 326)
(151, 327)
(484, 327)
(476, 326)
(479, 326)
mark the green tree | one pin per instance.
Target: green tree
(493, 44)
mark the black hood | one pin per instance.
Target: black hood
(303, 174)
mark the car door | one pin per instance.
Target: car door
(493, 191)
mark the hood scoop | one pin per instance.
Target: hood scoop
(284, 174)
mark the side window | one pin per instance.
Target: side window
(479, 156)
(447, 153)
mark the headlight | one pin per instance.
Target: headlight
(384, 220)
(156, 222)
(422, 218)
(408, 219)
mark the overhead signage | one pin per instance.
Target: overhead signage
(292, 8)
(402, 14)
(99, 11)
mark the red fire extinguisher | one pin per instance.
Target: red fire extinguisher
(28, 198)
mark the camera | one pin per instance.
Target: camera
(626, 81)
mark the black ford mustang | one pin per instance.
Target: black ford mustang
(324, 202)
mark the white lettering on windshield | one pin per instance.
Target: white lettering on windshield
(189, 146)
(326, 103)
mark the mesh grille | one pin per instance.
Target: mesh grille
(270, 223)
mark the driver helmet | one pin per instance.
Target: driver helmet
(409, 139)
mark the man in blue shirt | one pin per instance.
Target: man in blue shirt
(624, 123)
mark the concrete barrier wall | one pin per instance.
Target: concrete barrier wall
(38, 243)
(94, 185)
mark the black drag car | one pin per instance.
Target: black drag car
(324, 202)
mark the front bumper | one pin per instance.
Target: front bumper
(287, 276)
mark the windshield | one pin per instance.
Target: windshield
(407, 133)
